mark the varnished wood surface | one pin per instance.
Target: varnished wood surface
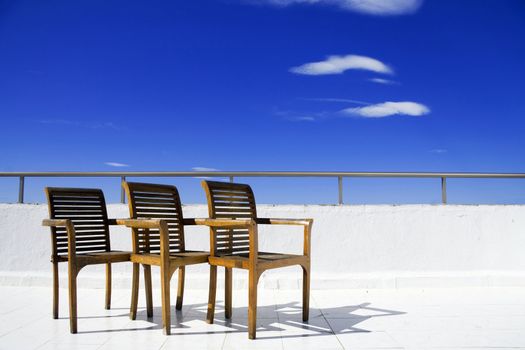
(79, 236)
(157, 223)
(233, 225)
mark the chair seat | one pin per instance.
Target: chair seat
(99, 257)
(265, 260)
(185, 258)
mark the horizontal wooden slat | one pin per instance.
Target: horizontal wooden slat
(141, 206)
(89, 223)
(76, 205)
(233, 210)
(90, 228)
(86, 208)
(233, 244)
(231, 240)
(79, 219)
(159, 216)
(157, 202)
(228, 189)
(82, 239)
(75, 198)
(236, 250)
(84, 244)
(151, 195)
(233, 215)
(101, 248)
(143, 201)
(145, 211)
(79, 211)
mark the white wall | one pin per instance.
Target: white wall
(365, 246)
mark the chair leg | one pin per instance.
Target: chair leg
(306, 293)
(180, 289)
(134, 292)
(166, 306)
(252, 302)
(72, 279)
(212, 294)
(108, 286)
(148, 287)
(55, 290)
(228, 292)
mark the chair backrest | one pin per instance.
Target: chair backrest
(87, 210)
(152, 201)
(232, 201)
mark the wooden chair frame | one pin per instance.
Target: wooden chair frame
(168, 261)
(78, 257)
(256, 262)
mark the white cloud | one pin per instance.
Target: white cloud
(115, 164)
(438, 151)
(204, 169)
(369, 7)
(82, 124)
(304, 119)
(387, 109)
(383, 81)
(340, 64)
(332, 99)
(199, 168)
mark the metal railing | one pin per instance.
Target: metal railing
(233, 174)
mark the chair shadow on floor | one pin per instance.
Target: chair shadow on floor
(285, 317)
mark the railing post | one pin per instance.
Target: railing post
(444, 190)
(340, 185)
(122, 192)
(231, 178)
(21, 190)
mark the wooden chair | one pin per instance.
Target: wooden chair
(234, 244)
(79, 236)
(158, 239)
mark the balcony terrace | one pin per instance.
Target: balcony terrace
(383, 276)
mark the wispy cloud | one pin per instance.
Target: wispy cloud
(117, 165)
(296, 116)
(369, 7)
(340, 64)
(383, 81)
(82, 124)
(438, 151)
(303, 119)
(200, 168)
(332, 99)
(204, 169)
(387, 109)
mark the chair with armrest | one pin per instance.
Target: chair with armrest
(234, 244)
(79, 226)
(158, 239)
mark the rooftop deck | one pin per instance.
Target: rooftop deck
(395, 258)
(467, 318)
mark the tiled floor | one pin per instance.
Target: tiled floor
(340, 319)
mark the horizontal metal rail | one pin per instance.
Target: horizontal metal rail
(339, 175)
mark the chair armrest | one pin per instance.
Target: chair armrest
(147, 224)
(307, 231)
(56, 222)
(140, 223)
(224, 223)
(71, 237)
(274, 221)
(249, 224)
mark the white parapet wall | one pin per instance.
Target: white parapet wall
(353, 246)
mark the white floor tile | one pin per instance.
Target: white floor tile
(476, 318)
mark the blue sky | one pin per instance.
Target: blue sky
(266, 85)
